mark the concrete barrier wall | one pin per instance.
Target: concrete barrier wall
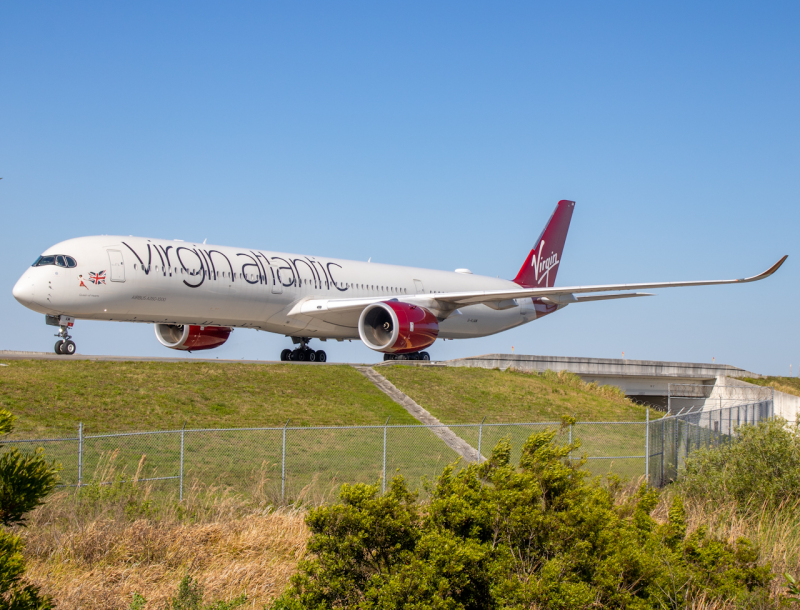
(785, 405)
(602, 367)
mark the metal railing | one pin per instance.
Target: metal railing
(299, 462)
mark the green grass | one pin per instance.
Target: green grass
(788, 385)
(467, 395)
(51, 398)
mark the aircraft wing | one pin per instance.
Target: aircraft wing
(495, 298)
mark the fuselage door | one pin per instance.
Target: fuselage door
(117, 266)
(419, 287)
(277, 287)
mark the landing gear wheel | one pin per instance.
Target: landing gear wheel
(59, 345)
(321, 356)
(424, 356)
(286, 355)
(68, 348)
(387, 357)
(311, 355)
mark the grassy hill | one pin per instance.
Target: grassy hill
(789, 385)
(466, 395)
(51, 397)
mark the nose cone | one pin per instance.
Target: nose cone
(25, 290)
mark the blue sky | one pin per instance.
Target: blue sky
(430, 134)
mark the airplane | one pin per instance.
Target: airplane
(196, 294)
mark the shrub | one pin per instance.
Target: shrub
(496, 536)
(190, 597)
(24, 482)
(761, 467)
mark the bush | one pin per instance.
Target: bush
(24, 482)
(495, 536)
(760, 468)
(189, 597)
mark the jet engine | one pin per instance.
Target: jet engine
(393, 327)
(191, 337)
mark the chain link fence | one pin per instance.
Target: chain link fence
(309, 463)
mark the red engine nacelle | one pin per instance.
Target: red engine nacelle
(191, 337)
(393, 327)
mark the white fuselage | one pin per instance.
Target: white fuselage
(133, 279)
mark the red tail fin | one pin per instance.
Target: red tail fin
(541, 266)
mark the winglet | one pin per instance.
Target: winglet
(767, 273)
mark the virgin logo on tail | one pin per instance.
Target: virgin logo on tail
(542, 266)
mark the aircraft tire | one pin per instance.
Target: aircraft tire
(424, 356)
(68, 348)
(311, 355)
(59, 345)
(286, 355)
(322, 356)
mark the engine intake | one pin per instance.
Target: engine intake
(394, 327)
(191, 337)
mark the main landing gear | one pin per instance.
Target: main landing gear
(303, 353)
(65, 346)
(413, 356)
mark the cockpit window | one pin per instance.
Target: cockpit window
(60, 260)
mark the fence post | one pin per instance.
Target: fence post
(183, 432)
(669, 399)
(480, 438)
(283, 461)
(663, 451)
(570, 442)
(80, 454)
(383, 478)
(647, 447)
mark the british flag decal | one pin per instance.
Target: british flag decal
(97, 278)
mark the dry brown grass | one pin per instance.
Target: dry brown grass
(94, 551)
(776, 533)
(99, 567)
(95, 557)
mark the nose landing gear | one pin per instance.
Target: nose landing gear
(303, 353)
(65, 346)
